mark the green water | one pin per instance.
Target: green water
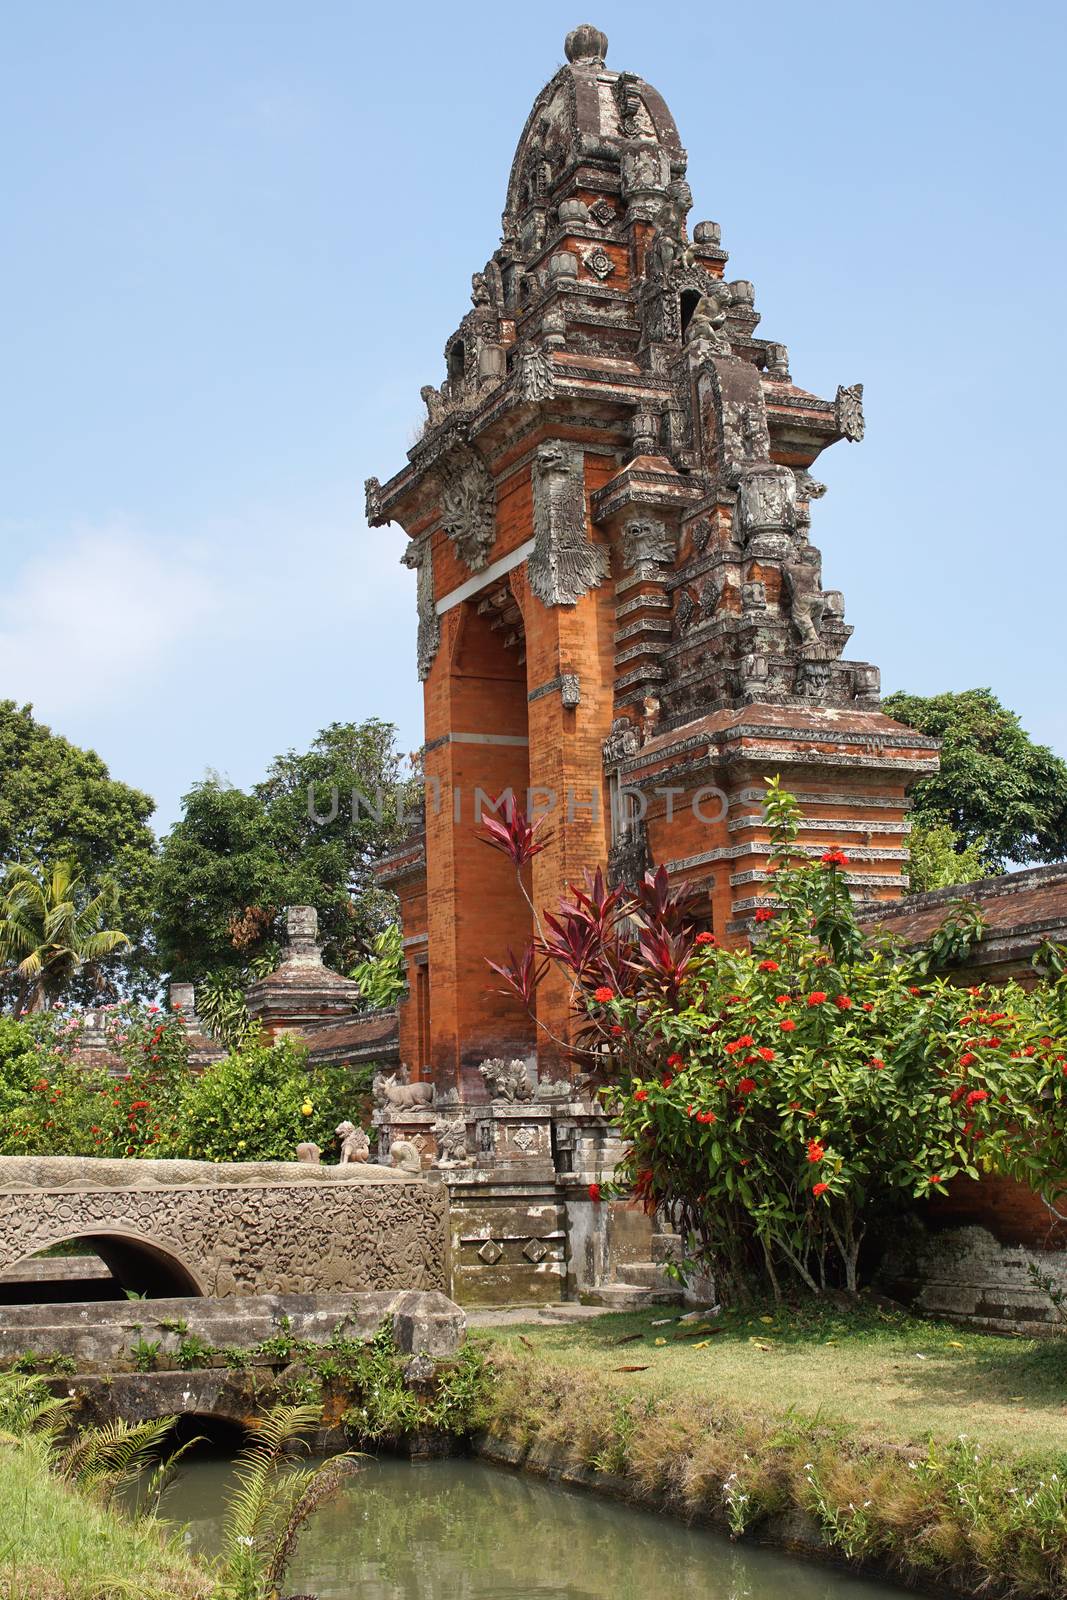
(462, 1530)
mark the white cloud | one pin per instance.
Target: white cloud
(98, 616)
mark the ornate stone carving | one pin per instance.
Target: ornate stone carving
(702, 534)
(814, 678)
(646, 542)
(629, 857)
(535, 374)
(391, 1094)
(684, 611)
(766, 502)
(419, 558)
(406, 1155)
(711, 592)
(372, 490)
(754, 596)
(666, 249)
(308, 1153)
(603, 212)
(599, 263)
(480, 295)
(468, 505)
(623, 741)
(506, 1080)
(707, 324)
(586, 44)
(253, 1228)
(563, 565)
(848, 411)
(355, 1146)
(451, 1137)
(570, 690)
(806, 601)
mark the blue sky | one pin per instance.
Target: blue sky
(236, 236)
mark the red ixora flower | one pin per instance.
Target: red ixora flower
(935, 1177)
(706, 1116)
(967, 1057)
(675, 1061)
(139, 1105)
(617, 1031)
(783, 999)
(787, 1024)
(877, 1063)
(768, 966)
(746, 1086)
(977, 1095)
(816, 997)
(835, 858)
(594, 1193)
(706, 938)
(820, 1188)
(603, 994)
(843, 1003)
(767, 1055)
(666, 1080)
(641, 1094)
(815, 1150)
(764, 914)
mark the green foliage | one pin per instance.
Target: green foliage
(57, 802)
(259, 1104)
(53, 933)
(940, 860)
(786, 1094)
(220, 1000)
(145, 1353)
(381, 977)
(36, 1364)
(234, 860)
(271, 1502)
(996, 789)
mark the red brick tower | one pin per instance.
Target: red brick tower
(620, 609)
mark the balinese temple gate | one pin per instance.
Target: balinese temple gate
(623, 618)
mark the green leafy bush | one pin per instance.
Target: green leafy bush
(259, 1104)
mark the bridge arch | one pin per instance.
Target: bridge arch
(136, 1263)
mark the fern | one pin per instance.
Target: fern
(102, 1461)
(270, 1504)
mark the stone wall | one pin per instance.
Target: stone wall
(262, 1228)
(968, 1275)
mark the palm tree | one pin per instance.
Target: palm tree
(51, 930)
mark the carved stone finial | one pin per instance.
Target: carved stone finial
(302, 934)
(848, 411)
(585, 43)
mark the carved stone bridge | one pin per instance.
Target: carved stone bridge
(192, 1227)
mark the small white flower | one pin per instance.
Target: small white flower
(244, 1538)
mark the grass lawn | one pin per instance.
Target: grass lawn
(58, 1545)
(887, 1376)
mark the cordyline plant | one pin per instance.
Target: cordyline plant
(777, 1099)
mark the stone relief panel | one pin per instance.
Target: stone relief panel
(468, 505)
(563, 565)
(304, 1238)
(418, 557)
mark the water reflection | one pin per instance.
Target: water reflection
(461, 1530)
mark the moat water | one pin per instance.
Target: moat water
(463, 1530)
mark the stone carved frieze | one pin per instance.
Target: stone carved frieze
(451, 1137)
(301, 1238)
(468, 505)
(622, 742)
(564, 565)
(418, 557)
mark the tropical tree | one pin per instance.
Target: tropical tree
(939, 859)
(59, 802)
(236, 858)
(996, 788)
(52, 931)
(381, 977)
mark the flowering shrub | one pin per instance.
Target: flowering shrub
(250, 1106)
(776, 1099)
